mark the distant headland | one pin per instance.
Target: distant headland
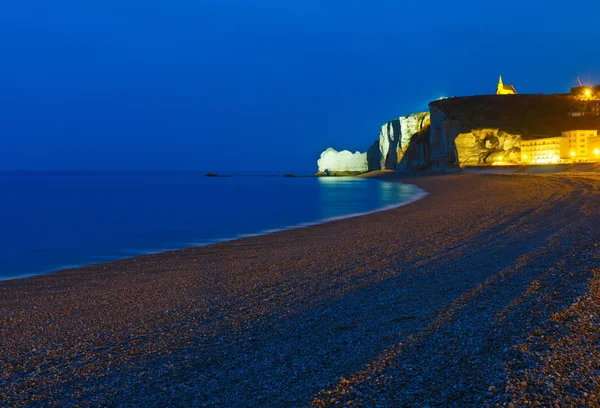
(506, 128)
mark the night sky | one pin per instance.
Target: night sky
(263, 85)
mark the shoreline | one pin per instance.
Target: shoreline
(452, 300)
(418, 195)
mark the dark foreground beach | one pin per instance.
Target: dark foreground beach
(484, 293)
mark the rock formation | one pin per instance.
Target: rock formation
(417, 155)
(479, 129)
(465, 131)
(334, 162)
(389, 137)
(373, 157)
(485, 146)
(395, 137)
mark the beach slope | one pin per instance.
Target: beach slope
(484, 292)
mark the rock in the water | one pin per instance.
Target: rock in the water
(332, 161)
(211, 175)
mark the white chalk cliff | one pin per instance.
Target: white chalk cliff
(333, 161)
(395, 136)
(394, 141)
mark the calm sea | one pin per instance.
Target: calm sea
(55, 220)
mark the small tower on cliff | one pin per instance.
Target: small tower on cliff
(505, 89)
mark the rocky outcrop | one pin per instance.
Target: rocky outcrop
(417, 155)
(389, 137)
(395, 137)
(411, 126)
(480, 129)
(465, 131)
(444, 130)
(486, 146)
(332, 161)
(395, 140)
(373, 157)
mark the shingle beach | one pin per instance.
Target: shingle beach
(486, 292)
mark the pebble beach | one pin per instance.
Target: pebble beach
(486, 292)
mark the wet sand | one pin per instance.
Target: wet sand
(486, 292)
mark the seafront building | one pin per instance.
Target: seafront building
(578, 143)
(571, 146)
(543, 150)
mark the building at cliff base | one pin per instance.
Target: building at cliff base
(576, 144)
(544, 150)
(504, 89)
(570, 147)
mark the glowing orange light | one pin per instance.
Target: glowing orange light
(588, 92)
(572, 153)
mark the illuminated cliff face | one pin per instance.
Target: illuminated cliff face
(389, 137)
(504, 118)
(442, 136)
(395, 137)
(471, 131)
(333, 161)
(487, 146)
(410, 126)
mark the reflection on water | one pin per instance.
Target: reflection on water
(347, 195)
(50, 220)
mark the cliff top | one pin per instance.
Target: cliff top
(529, 115)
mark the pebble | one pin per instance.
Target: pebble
(487, 280)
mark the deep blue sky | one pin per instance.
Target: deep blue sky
(262, 85)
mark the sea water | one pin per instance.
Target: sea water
(55, 220)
